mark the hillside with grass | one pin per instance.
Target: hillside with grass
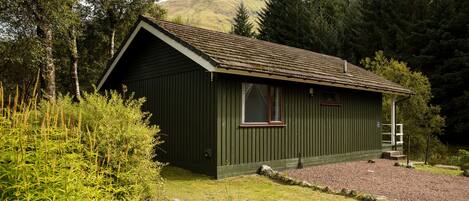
(209, 14)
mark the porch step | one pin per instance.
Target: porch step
(398, 157)
(388, 154)
(393, 155)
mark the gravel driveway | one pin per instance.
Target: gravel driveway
(382, 178)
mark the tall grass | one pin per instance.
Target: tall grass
(98, 149)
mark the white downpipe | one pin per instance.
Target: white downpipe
(345, 66)
(393, 121)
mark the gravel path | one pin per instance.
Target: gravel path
(382, 178)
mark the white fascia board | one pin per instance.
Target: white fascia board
(168, 40)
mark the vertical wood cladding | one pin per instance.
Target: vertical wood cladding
(197, 115)
(311, 128)
(180, 96)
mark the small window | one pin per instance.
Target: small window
(330, 99)
(261, 104)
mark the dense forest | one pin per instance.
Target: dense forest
(429, 36)
(71, 41)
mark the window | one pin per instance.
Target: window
(261, 104)
(330, 99)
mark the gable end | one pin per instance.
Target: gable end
(206, 64)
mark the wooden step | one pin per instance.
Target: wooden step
(398, 157)
(393, 155)
(388, 154)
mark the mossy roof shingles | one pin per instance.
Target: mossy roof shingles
(242, 54)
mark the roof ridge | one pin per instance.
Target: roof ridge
(243, 37)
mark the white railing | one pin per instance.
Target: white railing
(388, 138)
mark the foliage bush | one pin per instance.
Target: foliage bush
(419, 117)
(461, 159)
(98, 149)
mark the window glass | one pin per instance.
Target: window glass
(275, 106)
(330, 98)
(261, 103)
(256, 102)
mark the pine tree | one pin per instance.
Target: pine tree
(286, 22)
(436, 43)
(447, 50)
(326, 23)
(351, 32)
(309, 24)
(241, 25)
(381, 28)
(432, 37)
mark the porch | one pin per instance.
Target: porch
(392, 134)
(392, 141)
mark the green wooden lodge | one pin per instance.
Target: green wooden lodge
(227, 104)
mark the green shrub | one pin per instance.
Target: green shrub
(461, 159)
(466, 173)
(98, 149)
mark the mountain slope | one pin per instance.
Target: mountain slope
(210, 14)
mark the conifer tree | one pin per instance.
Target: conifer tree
(286, 22)
(432, 36)
(351, 32)
(241, 25)
(309, 24)
(445, 58)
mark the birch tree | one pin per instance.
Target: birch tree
(38, 19)
(117, 14)
(78, 14)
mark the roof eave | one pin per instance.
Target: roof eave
(212, 66)
(402, 92)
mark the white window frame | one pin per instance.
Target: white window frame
(279, 103)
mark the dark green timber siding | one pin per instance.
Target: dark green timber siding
(179, 94)
(197, 114)
(321, 134)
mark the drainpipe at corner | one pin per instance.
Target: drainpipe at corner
(393, 123)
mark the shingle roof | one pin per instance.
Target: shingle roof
(228, 53)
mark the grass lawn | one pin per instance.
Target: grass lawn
(184, 185)
(437, 170)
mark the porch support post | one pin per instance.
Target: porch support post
(393, 122)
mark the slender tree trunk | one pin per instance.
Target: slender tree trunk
(427, 150)
(113, 35)
(408, 150)
(74, 64)
(48, 67)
